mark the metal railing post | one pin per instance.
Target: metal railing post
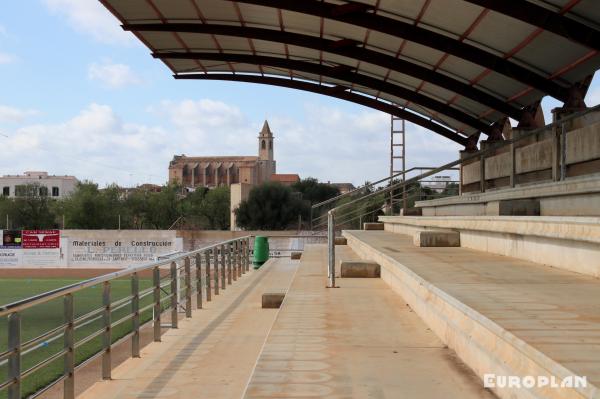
(156, 283)
(14, 360)
(228, 266)
(513, 164)
(223, 271)
(233, 250)
(188, 286)
(236, 261)
(563, 152)
(331, 247)
(198, 281)
(233, 257)
(482, 173)
(106, 336)
(135, 310)
(208, 276)
(174, 302)
(240, 257)
(247, 254)
(69, 346)
(216, 268)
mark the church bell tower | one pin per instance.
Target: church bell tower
(265, 152)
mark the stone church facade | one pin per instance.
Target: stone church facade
(215, 171)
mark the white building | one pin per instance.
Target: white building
(53, 186)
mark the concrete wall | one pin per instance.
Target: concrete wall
(576, 196)
(537, 154)
(238, 193)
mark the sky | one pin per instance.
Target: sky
(78, 96)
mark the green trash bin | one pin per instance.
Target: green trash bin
(261, 251)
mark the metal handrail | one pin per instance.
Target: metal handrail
(354, 217)
(321, 220)
(365, 186)
(478, 154)
(179, 279)
(355, 211)
(26, 303)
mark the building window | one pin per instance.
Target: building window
(20, 191)
(263, 145)
(270, 145)
(55, 192)
(6, 191)
(43, 191)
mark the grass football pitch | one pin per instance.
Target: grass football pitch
(44, 317)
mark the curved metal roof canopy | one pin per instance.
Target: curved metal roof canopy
(455, 67)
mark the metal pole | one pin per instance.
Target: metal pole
(247, 253)
(233, 254)
(239, 257)
(513, 166)
(223, 272)
(198, 281)
(135, 310)
(331, 247)
(188, 287)
(235, 263)
(228, 266)
(174, 287)
(69, 346)
(482, 173)
(207, 258)
(563, 152)
(106, 336)
(215, 251)
(14, 360)
(156, 278)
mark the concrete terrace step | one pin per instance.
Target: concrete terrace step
(501, 315)
(570, 243)
(357, 341)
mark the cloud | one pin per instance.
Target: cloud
(6, 58)
(342, 146)
(114, 76)
(15, 115)
(326, 142)
(92, 18)
(209, 127)
(95, 144)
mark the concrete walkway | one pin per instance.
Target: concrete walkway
(210, 355)
(359, 341)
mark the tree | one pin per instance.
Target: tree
(270, 206)
(85, 208)
(315, 192)
(164, 207)
(32, 209)
(216, 208)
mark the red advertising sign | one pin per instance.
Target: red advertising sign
(41, 239)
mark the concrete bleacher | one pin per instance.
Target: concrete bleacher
(501, 315)
(570, 243)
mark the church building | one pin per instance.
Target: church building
(215, 171)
